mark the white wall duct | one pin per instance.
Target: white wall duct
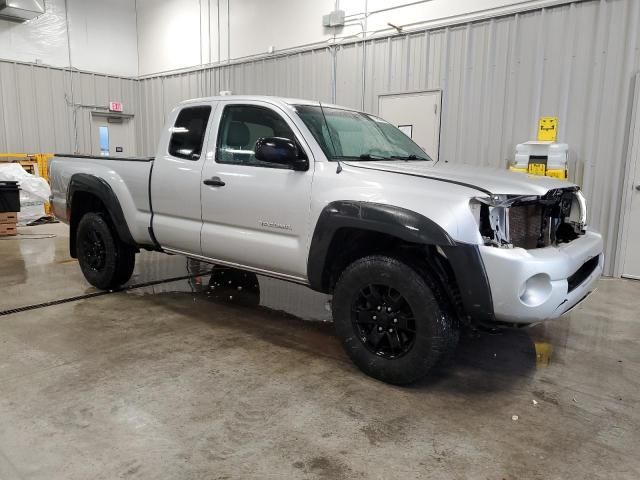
(21, 10)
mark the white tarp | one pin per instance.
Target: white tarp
(34, 192)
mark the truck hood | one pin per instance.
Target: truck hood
(487, 180)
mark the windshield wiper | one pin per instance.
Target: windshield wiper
(364, 156)
(408, 157)
(372, 156)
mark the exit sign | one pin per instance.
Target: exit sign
(115, 106)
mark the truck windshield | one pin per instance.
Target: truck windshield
(350, 135)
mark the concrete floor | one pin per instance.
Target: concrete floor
(177, 381)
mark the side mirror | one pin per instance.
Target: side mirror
(281, 151)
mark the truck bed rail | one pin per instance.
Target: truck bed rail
(104, 157)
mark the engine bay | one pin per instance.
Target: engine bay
(512, 221)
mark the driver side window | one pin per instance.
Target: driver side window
(241, 126)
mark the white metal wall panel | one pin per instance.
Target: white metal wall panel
(60, 120)
(44, 97)
(348, 79)
(35, 110)
(10, 107)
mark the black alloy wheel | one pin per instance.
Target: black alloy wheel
(392, 319)
(94, 249)
(384, 321)
(105, 260)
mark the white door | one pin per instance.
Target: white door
(254, 213)
(631, 218)
(112, 136)
(175, 179)
(417, 115)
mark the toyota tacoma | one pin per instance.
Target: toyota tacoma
(412, 250)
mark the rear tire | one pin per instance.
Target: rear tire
(106, 261)
(390, 321)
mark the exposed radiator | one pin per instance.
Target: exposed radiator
(525, 226)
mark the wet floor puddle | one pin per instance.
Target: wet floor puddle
(234, 286)
(543, 354)
(518, 352)
(508, 351)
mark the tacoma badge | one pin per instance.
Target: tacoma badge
(281, 226)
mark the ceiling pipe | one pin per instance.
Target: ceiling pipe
(228, 30)
(387, 9)
(364, 56)
(74, 109)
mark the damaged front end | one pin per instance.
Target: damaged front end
(539, 257)
(529, 222)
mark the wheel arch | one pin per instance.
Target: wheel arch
(365, 228)
(381, 221)
(88, 193)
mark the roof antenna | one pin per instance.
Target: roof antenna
(339, 168)
(398, 29)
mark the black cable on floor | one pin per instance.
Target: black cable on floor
(93, 294)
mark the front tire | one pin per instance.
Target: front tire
(106, 262)
(390, 321)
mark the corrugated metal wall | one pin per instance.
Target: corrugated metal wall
(498, 76)
(35, 116)
(303, 75)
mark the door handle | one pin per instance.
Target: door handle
(638, 187)
(214, 182)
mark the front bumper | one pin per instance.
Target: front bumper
(529, 286)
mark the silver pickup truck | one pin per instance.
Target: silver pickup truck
(343, 202)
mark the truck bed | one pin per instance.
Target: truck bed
(128, 177)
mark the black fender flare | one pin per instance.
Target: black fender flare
(84, 182)
(464, 259)
(472, 280)
(398, 222)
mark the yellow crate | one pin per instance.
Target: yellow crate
(560, 174)
(43, 169)
(43, 164)
(537, 169)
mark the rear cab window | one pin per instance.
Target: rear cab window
(187, 134)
